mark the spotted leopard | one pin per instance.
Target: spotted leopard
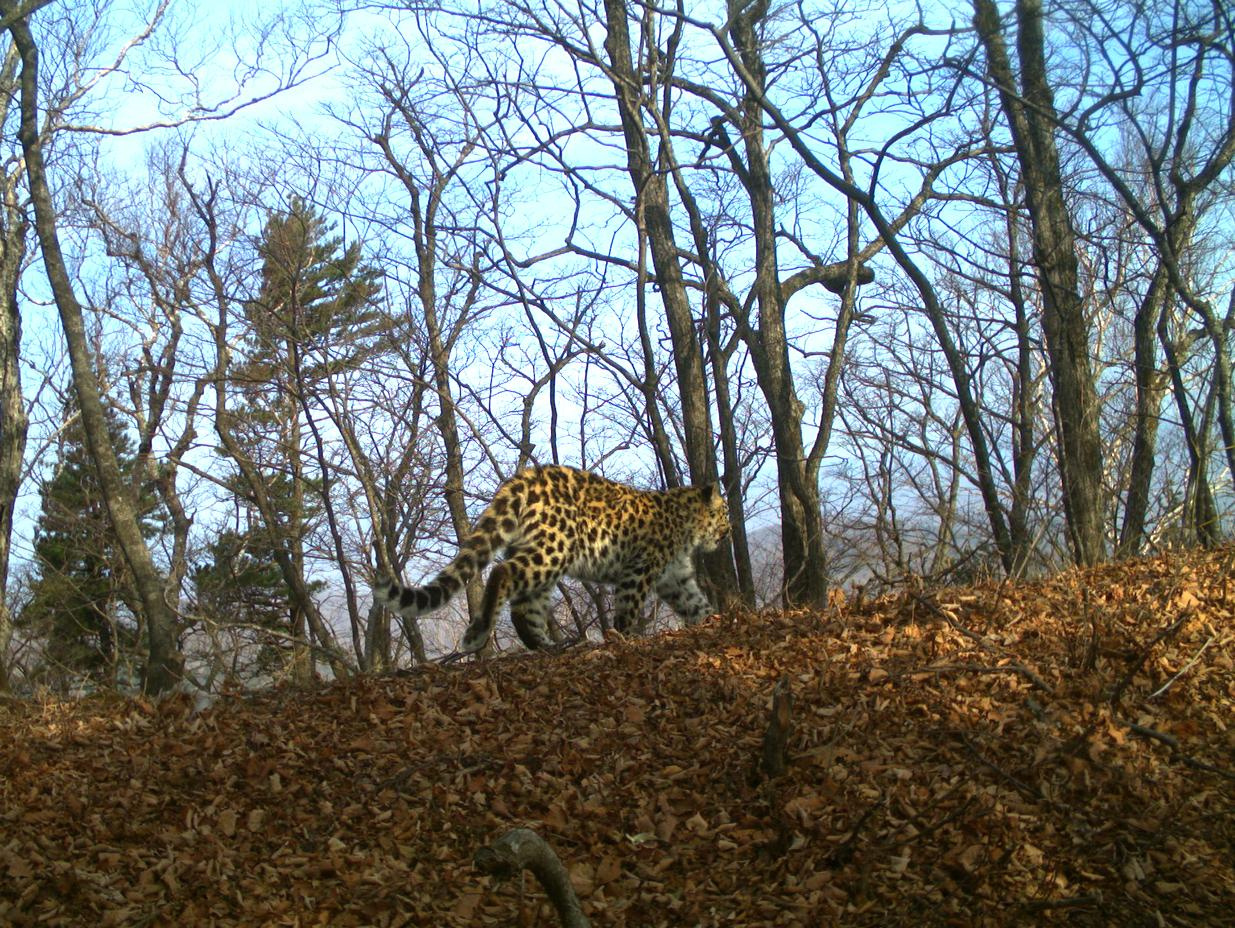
(559, 521)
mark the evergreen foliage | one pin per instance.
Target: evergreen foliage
(315, 315)
(315, 296)
(82, 593)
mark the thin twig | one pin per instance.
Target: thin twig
(1172, 742)
(1072, 902)
(1024, 788)
(1019, 669)
(845, 850)
(1165, 633)
(1182, 670)
(967, 632)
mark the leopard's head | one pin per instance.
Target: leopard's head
(713, 517)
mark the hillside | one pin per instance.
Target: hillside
(1060, 751)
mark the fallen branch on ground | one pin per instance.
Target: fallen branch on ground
(522, 849)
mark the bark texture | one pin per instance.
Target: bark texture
(805, 562)
(13, 419)
(164, 662)
(1030, 112)
(648, 176)
(522, 849)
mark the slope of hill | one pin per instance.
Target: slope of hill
(1060, 751)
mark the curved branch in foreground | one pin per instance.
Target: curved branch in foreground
(522, 849)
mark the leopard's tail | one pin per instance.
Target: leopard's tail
(490, 535)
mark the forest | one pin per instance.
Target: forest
(937, 296)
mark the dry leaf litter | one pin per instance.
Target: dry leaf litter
(1051, 752)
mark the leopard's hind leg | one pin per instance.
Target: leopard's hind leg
(527, 586)
(530, 615)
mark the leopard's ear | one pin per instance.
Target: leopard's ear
(709, 491)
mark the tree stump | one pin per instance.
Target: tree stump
(774, 760)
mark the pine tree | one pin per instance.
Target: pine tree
(82, 595)
(315, 314)
(315, 294)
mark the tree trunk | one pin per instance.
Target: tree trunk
(423, 206)
(13, 419)
(164, 662)
(651, 385)
(302, 651)
(1025, 394)
(298, 591)
(377, 653)
(1064, 324)
(448, 426)
(805, 563)
(652, 197)
(731, 476)
(1219, 332)
(1150, 390)
(289, 568)
(1024, 439)
(887, 230)
(716, 293)
(1200, 513)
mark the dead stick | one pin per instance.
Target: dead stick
(967, 632)
(1072, 902)
(1173, 743)
(1171, 682)
(1135, 665)
(843, 853)
(775, 759)
(522, 849)
(1020, 669)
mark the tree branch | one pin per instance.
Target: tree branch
(522, 849)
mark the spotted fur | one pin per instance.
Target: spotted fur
(555, 521)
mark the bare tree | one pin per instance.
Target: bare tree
(83, 61)
(13, 418)
(425, 192)
(438, 184)
(396, 475)
(1176, 152)
(152, 245)
(800, 135)
(163, 666)
(653, 218)
(1029, 109)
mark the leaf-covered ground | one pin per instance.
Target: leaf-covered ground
(1060, 751)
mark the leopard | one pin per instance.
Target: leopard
(553, 521)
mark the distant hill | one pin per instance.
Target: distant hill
(1053, 752)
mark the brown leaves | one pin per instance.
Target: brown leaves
(956, 757)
